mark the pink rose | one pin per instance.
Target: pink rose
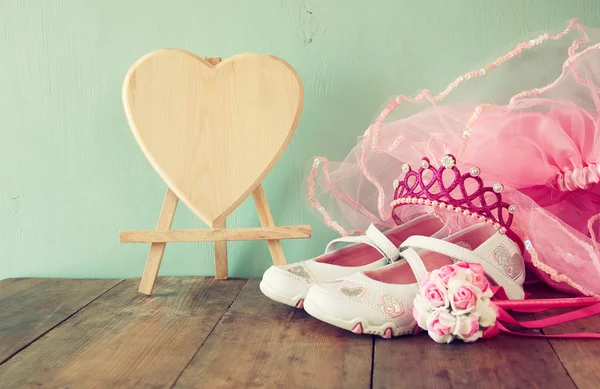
(435, 294)
(481, 281)
(440, 325)
(469, 328)
(445, 273)
(463, 299)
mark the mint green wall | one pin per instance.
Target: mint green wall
(71, 174)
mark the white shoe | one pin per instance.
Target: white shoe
(288, 284)
(381, 301)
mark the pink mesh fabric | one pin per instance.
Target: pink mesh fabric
(528, 120)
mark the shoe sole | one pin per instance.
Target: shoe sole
(360, 325)
(296, 302)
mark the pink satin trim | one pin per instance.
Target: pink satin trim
(591, 306)
(543, 323)
(578, 178)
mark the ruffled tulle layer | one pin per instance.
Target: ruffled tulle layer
(540, 143)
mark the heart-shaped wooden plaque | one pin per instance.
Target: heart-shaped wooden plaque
(212, 132)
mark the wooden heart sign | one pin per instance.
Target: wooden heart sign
(212, 132)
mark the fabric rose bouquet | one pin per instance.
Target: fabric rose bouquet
(454, 302)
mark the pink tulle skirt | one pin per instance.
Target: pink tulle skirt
(528, 119)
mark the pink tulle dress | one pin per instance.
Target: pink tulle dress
(527, 121)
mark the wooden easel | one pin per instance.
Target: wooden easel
(155, 68)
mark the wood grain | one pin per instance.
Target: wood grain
(124, 339)
(157, 250)
(213, 60)
(31, 307)
(581, 357)
(502, 362)
(263, 344)
(219, 247)
(266, 220)
(216, 234)
(212, 132)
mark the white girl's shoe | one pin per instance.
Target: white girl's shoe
(288, 284)
(381, 301)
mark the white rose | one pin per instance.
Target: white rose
(468, 275)
(482, 304)
(461, 275)
(488, 293)
(434, 276)
(456, 283)
(467, 328)
(488, 316)
(421, 310)
(462, 326)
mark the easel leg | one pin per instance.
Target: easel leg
(220, 254)
(158, 249)
(266, 219)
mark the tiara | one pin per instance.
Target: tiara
(415, 189)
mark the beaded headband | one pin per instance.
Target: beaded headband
(415, 189)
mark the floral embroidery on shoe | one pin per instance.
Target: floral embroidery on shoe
(391, 306)
(352, 291)
(300, 271)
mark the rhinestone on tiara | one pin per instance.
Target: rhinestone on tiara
(484, 204)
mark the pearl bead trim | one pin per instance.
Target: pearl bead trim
(449, 207)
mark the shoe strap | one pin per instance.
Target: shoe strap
(374, 238)
(416, 264)
(513, 290)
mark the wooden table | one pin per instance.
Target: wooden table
(196, 332)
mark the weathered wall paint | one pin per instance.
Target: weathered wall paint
(71, 174)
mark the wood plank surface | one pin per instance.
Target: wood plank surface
(263, 344)
(502, 362)
(197, 332)
(125, 339)
(581, 357)
(30, 307)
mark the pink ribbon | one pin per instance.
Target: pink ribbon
(591, 306)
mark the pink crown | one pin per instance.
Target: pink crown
(415, 189)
